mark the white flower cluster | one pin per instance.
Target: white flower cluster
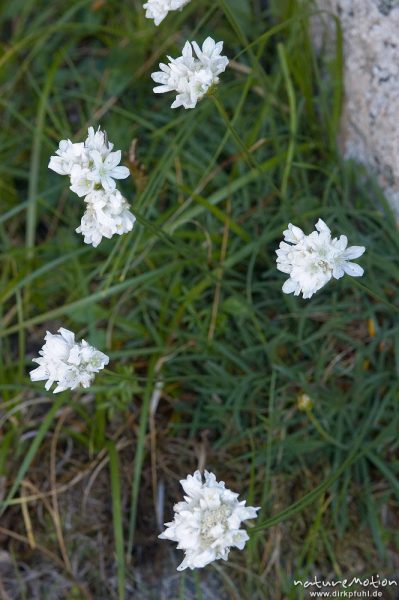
(93, 168)
(158, 9)
(207, 523)
(312, 260)
(190, 76)
(66, 362)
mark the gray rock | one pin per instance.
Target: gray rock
(370, 122)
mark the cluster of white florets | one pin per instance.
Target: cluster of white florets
(158, 9)
(312, 260)
(207, 524)
(191, 76)
(67, 363)
(93, 168)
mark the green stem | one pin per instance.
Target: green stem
(323, 433)
(139, 456)
(117, 516)
(233, 131)
(375, 295)
(293, 118)
(31, 215)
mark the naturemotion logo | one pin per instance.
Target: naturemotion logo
(355, 587)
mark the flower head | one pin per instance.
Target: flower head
(191, 76)
(67, 363)
(93, 167)
(304, 402)
(158, 9)
(312, 260)
(207, 524)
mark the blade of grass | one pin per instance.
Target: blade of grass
(117, 517)
(139, 456)
(30, 455)
(31, 215)
(293, 118)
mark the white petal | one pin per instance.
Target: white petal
(57, 164)
(289, 286)
(108, 183)
(120, 172)
(353, 269)
(322, 227)
(240, 538)
(96, 158)
(353, 252)
(341, 243)
(197, 49)
(338, 271)
(208, 46)
(68, 336)
(59, 388)
(161, 89)
(160, 77)
(39, 374)
(187, 50)
(113, 159)
(192, 484)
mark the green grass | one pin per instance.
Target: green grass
(191, 301)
